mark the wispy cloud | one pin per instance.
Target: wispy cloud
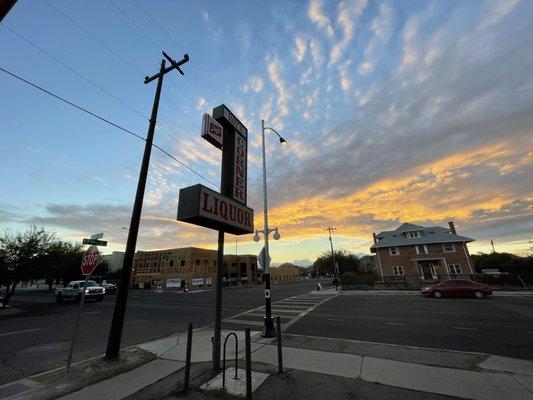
(300, 48)
(254, 83)
(317, 16)
(349, 13)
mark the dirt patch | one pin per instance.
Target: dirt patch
(89, 372)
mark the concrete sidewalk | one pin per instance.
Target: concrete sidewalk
(370, 370)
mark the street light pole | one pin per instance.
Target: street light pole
(268, 329)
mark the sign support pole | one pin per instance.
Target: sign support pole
(80, 307)
(218, 307)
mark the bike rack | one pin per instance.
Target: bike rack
(224, 358)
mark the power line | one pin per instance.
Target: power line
(103, 119)
(157, 46)
(162, 29)
(94, 37)
(116, 54)
(74, 70)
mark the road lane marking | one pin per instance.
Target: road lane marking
(335, 319)
(462, 328)
(16, 332)
(243, 322)
(93, 312)
(394, 323)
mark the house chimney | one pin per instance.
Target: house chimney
(375, 237)
(452, 227)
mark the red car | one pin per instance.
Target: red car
(457, 287)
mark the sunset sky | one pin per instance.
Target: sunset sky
(394, 111)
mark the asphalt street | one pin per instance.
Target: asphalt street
(39, 339)
(494, 325)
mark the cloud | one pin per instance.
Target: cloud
(349, 13)
(316, 52)
(300, 48)
(274, 73)
(365, 67)
(254, 83)
(201, 104)
(317, 16)
(346, 83)
(410, 43)
(497, 10)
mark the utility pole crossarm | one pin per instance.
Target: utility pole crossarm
(174, 65)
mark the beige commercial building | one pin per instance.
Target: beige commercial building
(192, 266)
(284, 273)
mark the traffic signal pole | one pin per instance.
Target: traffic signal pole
(117, 323)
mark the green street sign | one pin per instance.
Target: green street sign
(95, 242)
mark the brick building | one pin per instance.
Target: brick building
(286, 272)
(425, 253)
(193, 266)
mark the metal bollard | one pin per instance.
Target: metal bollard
(280, 349)
(224, 358)
(188, 359)
(248, 365)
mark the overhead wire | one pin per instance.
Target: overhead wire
(119, 56)
(156, 45)
(162, 29)
(105, 120)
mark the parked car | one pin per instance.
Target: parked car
(110, 288)
(456, 288)
(74, 291)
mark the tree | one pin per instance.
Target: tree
(346, 260)
(506, 262)
(63, 263)
(22, 257)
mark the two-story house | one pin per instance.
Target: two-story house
(429, 253)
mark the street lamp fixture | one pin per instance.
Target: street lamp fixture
(268, 329)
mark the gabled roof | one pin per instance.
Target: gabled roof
(432, 234)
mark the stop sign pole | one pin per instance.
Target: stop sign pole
(89, 262)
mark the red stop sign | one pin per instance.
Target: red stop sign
(90, 260)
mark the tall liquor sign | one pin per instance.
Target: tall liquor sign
(225, 211)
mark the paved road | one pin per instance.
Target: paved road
(39, 339)
(502, 326)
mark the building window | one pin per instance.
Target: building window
(171, 263)
(448, 247)
(140, 264)
(162, 264)
(147, 264)
(413, 234)
(394, 251)
(421, 249)
(197, 262)
(182, 263)
(397, 270)
(155, 264)
(455, 269)
(215, 263)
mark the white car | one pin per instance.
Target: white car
(74, 291)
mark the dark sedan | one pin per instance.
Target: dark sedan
(457, 288)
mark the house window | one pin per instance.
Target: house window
(397, 271)
(394, 251)
(413, 234)
(421, 249)
(171, 263)
(455, 269)
(182, 263)
(448, 247)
